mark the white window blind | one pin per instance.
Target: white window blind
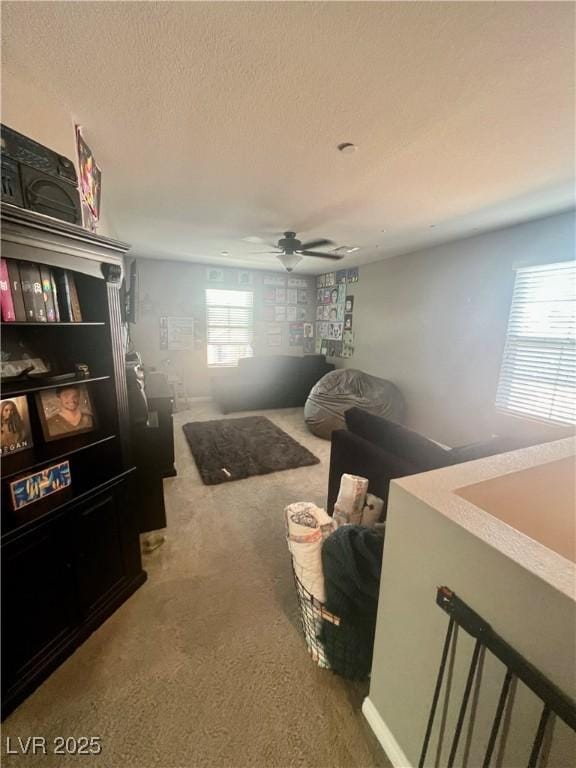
(230, 323)
(538, 373)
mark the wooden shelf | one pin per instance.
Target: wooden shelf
(50, 453)
(24, 388)
(18, 324)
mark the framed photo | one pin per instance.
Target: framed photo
(348, 322)
(65, 411)
(37, 486)
(214, 275)
(244, 278)
(349, 304)
(16, 433)
(308, 331)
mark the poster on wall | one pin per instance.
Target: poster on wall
(276, 280)
(292, 296)
(321, 281)
(348, 322)
(280, 295)
(349, 304)
(269, 295)
(318, 345)
(330, 279)
(347, 344)
(352, 276)
(308, 346)
(341, 294)
(334, 348)
(274, 335)
(177, 333)
(291, 314)
(90, 176)
(279, 314)
(335, 331)
(308, 331)
(302, 296)
(180, 333)
(333, 313)
(296, 334)
(341, 276)
(297, 282)
(320, 312)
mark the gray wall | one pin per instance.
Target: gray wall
(178, 288)
(434, 322)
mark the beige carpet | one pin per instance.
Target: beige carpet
(205, 665)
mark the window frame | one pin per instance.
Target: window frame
(249, 325)
(537, 377)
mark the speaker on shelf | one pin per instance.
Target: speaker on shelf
(36, 178)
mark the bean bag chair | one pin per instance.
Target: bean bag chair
(346, 388)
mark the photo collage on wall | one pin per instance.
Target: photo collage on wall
(286, 301)
(335, 312)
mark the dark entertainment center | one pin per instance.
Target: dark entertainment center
(69, 559)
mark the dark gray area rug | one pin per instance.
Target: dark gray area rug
(231, 449)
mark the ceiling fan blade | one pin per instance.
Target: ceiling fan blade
(314, 244)
(334, 256)
(263, 253)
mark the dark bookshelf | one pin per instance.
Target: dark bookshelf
(47, 324)
(71, 558)
(16, 464)
(26, 387)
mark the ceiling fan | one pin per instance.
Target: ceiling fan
(290, 250)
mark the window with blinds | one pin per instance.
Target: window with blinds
(230, 326)
(538, 373)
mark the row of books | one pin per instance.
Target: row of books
(37, 293)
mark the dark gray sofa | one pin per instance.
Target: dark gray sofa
(382, 450)
(275, 381)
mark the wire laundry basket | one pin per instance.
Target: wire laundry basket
(328, 637)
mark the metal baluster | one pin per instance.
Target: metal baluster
(539, 737)
(497, 719)
(437, 690)
(464, 705)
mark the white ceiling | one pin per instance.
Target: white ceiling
(214, 122)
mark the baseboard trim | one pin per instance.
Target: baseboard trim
(384, 735)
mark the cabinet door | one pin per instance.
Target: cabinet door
(38, 594)
(100, 566)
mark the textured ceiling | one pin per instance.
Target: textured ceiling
(214, 122)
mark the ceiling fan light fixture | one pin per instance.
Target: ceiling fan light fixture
(290, 260)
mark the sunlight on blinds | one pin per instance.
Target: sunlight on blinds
(230, 326)
(538, 373)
